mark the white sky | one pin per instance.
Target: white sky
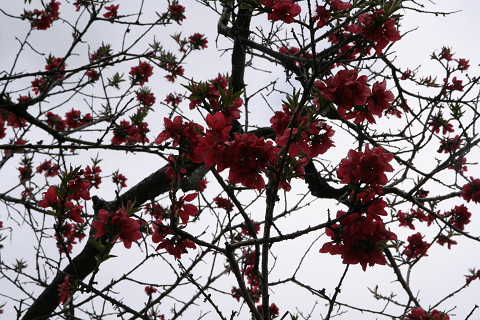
(436, 275)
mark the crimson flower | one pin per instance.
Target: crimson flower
(112, 12)
(339, 5)
(185, 210)
(74, 119)
(197, 41)
(459, 216)
(50, 198)
(471, 191)
(119, 179)
(141, 73)
(51, 170)
(149, 290)
(346, 90)
(284, 10)
(322, 15)
(117, 225)
(79, 188)
(56, 122)
(176, 13)
(416, 247)
(367, 167)
(64, 290)
(223, 203)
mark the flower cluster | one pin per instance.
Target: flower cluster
(120, 180)
(70, 233)
(216, 95)
(62, 203)
(459, 216)
(471, 190)
(176, 13)
(130, 133)
(419, 314)
(377, 28)
(360, 234)
(64, 289)
(284, 10)
(43, 19)
(92, 174)
(367, 167)
(198, 41)
(112, 12)
(117, 225)
(51, 170)
(416, 247)
(145, 97)
(406, 219)
(352, 94)
(223, 203)
(74, 119)
(174, 244)
(141, 73)
(252, 278)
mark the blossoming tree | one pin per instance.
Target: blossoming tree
(361, 163)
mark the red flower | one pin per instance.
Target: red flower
(119, 179)
(372, 27)
(42, 19)
(463, 64)
(93, 175)
(367, 167)
(378, 101)
(149, 290)
(92, 75)
(345, 89)
(141, 73)
(438, 122)
(223, 203)
(111, 13)
(50, 170)
(339, 5)
(284, 10)
(458, 165)
(471, 191)
(442, 239)
(117, 225)
(185, 210)
(273, 310)
(323, 16)
(176, 13)
(70, 234)
(449, 145)
(358, 239)
(197, 41)
(145, 97)
(56, 122)
(74, 213)
(130, 133)
(64, 290)
(79, 188)
(49, 198)
(416, 246)
(74, 118)
(247, 156)
(246, 231)
(446, 54)
(55, 65)
(420, 314)
(173, 99)
(459, 216)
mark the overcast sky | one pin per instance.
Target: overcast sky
(458, 31)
